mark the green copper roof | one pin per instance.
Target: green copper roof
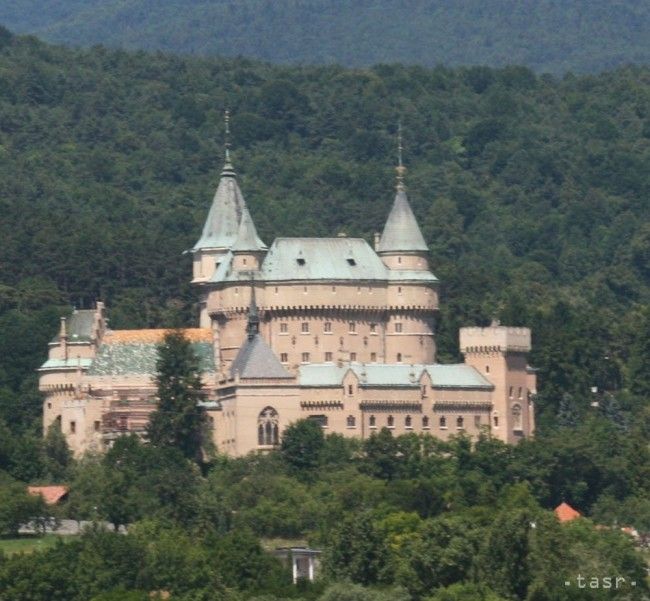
(140, 358)
(313, 259)
(458, 375)
(79, 326)
(222, 224)
(66, 364)
(401, 232)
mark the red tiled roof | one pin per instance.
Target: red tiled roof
(51, 494)
(154, 336)
(566, 513)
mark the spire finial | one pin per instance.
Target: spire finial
(226, 118)
(401, 170)
(228, 169)
(253, 326)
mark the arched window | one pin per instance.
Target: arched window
(443, 422)
(351, 421)
(516, 417)
(372, 421)
(267, 427)
(391, 421)
(425, 421)
(408, 422)
(460, 422)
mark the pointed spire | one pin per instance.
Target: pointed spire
(247, 238)
(253, 326)
(222, 224)
(401, 233)
(400, 169)
(228, 169)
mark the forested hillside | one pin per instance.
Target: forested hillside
(546, 35)
(532, 193)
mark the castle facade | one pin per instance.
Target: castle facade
(328, 329)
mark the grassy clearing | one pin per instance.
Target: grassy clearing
(28, 544)
(270, 544)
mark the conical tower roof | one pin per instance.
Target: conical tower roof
(401, 232)
(222, 224)
(255, 358)
(247, 238)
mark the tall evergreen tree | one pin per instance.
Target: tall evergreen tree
(179, 421)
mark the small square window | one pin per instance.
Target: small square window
(352, 262)
(284, 328)
(373, 357)
(304, 327)
(353, 356)
(284, 357)
(300, 261)
(328, 357)
(97, 425)
(305, 357)
(398, 327)
(373, 328)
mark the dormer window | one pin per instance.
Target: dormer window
(351, 261)
(300, 261)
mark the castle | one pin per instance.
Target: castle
(327, 329)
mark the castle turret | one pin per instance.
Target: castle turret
(248, 249)
(221, 226)
(401, 245)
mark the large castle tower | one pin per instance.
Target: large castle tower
(321, 300)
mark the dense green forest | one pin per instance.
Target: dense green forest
(546, 35)
(533, 193)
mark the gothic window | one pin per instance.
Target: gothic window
(372, 421)
(425, 422)
(267, 427)
(391, 421)
(408, 421)
(443, 422)
(516, 417)
(460, 422)
(351, 421)
(496, 421)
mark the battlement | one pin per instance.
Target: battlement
(495, 338)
